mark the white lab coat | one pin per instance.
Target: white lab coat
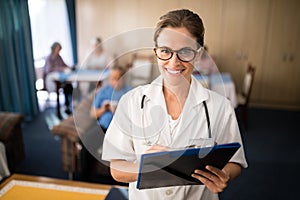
(132, 127)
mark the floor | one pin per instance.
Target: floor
(47, 102)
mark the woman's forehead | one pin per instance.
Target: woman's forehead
(115, 73)
(176, 38)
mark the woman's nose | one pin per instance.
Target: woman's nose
(174, 60)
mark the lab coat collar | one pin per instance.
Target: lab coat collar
(197, 93)
(151, 91)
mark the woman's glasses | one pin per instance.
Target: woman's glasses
(185, 54)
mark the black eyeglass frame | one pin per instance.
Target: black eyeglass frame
(176, 51)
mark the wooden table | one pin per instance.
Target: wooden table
(25, 187)
(82, 75)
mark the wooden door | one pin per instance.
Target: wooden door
(281, 82)
(243, 39)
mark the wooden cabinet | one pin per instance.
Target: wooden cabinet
(243, 39)
(280, 85)
(266, 34)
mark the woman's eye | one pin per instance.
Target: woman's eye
(166, 51)
(185, 52)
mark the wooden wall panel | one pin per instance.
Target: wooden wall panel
(280, 83)
(263, 32)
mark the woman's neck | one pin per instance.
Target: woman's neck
(175, 97)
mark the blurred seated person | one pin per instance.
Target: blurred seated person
(96, 59)
(107, 97)
(206, 65)
(55, 63)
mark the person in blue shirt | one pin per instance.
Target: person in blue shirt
(107, 97)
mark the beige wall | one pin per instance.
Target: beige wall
(263, 32)
(110, 18)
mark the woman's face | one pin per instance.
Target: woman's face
(115, 79)
(57, 50)
(173, 70)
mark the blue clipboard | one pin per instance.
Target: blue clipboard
(174, 168)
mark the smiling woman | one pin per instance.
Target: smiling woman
(174, 109)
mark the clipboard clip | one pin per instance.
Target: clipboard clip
(204, 149)
(200, 146)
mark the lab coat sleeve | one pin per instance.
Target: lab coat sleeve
(228, 131)
(232, 127)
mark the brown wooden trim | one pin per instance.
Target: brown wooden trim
(42, 179)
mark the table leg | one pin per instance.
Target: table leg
(57, 100)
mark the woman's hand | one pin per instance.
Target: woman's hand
(106, 106)
(157, 148)
(96, 113)
(214, 179)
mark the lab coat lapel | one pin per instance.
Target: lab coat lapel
(197, 95)
(155, 102)
(152, 92)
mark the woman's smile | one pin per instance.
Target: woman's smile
(174, 72)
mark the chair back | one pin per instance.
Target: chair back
(140, 71)
(248, 82)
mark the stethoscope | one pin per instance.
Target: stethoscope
(149, 143)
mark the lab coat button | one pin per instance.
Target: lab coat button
(169, 192)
